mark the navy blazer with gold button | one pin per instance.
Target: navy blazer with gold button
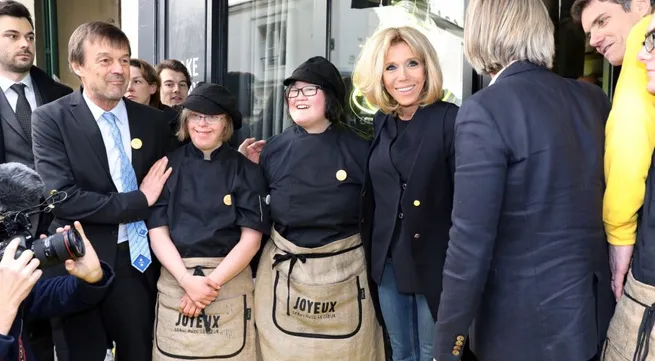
(427, 199)
(527, 263)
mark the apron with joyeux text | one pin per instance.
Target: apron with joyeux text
(223, 331)
(314, 303)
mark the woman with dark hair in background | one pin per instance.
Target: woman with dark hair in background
(312, 285)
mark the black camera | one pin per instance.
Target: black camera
(50, 251)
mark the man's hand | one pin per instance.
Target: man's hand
(86, 268)
(154, 181)
(201, 290)
(252, 149)
(620, 257)
(17, 278)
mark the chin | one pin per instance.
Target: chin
(651, 87)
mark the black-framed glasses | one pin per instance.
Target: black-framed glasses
(308, 91)
(649, 42)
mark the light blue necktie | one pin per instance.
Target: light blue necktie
(137, 232)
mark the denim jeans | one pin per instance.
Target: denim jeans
(408, 320)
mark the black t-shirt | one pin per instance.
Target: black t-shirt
(315, 182)
(206, 202)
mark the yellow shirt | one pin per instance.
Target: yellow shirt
(629, 144)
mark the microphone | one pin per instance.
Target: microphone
(20, 187)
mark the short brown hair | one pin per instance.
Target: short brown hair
(183, 133)
(92, 32)
(367, 76)
(150, 76)
(580, 5)
(15, 9)
(174, 65)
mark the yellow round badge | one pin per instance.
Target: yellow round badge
(136, 143)
(342, 175)
(227, 200)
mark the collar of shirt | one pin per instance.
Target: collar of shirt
(119, 110)
(6, 83)
(493, 78)
(193, 151)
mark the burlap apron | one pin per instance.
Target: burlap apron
(630, 335)
(224, 331)
(315, 304)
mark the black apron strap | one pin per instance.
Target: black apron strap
(645, 328)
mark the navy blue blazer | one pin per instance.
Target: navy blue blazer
(49, 298)
(527, 263)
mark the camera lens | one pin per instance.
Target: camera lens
(59, 247)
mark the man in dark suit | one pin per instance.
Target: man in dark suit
(24, 87)
(526, 265)
(98, 147)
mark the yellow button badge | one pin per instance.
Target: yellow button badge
(342, 175)
(227, 200)
(136, 143)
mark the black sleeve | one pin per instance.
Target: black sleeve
(250, 191)
(449, 138)
(480, 179)
(54, 167)
(159, 211)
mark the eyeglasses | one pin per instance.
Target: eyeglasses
(210, 119)
(308, 91)
(649, 42)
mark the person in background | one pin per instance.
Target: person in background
(407, 196)
(632, 141)
(312, 288)
(205, 244)
(23, 88)
(175, 82)
(144, 88)
(526, 271)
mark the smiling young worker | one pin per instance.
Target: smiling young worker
(312, 292)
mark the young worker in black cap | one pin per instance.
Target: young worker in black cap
(205, 229)
(312, 286)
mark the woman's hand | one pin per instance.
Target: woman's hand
(188, 307)
(200, 289)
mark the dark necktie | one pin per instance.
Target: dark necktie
(23, 110)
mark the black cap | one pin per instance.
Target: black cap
(214, 99)
(320, 71)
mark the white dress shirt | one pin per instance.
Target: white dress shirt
(113, 154)
(12, 96)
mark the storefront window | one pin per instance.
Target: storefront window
(269, 39)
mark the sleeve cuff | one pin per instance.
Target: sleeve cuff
(256, 225)
(92, 293)
(451, 352)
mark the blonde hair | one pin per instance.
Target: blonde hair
(497, 32)
(183, 132)
(367, 76)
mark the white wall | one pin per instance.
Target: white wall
(130, 23)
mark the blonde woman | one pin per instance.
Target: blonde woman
(408, 186)
(205, 229)
(527, 258)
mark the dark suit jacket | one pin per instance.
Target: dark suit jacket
(431, 184)
(527, 258)
(70, 156)
(47, 90)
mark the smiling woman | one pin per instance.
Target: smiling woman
(408, 188)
